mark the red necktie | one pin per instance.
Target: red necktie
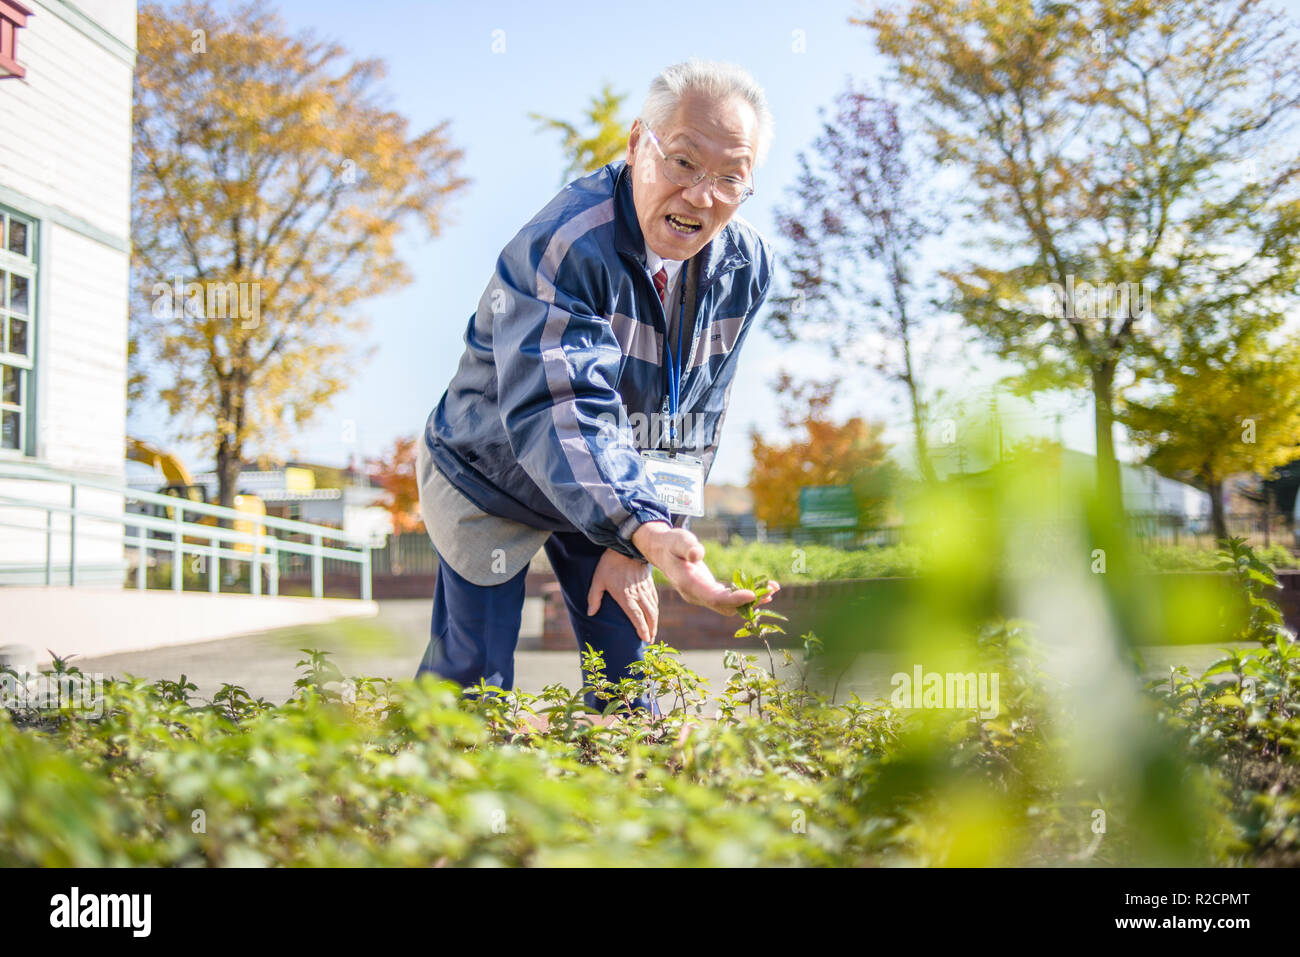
(661, 283)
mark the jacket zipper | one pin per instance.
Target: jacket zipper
(701, 293)
(696, 326)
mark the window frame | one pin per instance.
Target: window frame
(13, 17)
(27, 266)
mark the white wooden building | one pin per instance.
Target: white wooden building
(65, 185)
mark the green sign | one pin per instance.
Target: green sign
(827, 506)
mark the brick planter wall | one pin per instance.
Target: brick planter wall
(685, 626)
(1289, 599)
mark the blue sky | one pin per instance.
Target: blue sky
(441, 66)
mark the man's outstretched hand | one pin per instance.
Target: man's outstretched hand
(679, 555)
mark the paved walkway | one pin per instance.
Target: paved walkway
(392, 644)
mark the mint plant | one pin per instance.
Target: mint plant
(758, 618)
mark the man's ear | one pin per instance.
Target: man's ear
(633, 137)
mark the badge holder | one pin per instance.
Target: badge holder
(678, 478)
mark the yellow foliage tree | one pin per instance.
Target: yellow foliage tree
(826, 453)
(1224, 412)
(269, 186)
(603, 140)
(1118, 153)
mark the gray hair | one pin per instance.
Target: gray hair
(716, 80)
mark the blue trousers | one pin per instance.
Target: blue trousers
(475, 628)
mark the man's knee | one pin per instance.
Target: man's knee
(464, 667)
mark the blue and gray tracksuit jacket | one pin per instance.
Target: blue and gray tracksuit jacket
(564, 373)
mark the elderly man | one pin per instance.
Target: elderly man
(584, 415)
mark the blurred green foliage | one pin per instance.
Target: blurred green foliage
(1241, 716)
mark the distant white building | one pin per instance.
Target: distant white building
(65, 187)
(1165, 502)
(353, 507)
(1147, 492)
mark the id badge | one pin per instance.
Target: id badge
(678, 481)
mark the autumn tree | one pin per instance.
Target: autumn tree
(395, 471)
(1121, 156)
(599, 138)
(862, 207)
(822, 453)
(269, 188)
(1222, 411)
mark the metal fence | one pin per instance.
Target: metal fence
(1257, 528)
(1149, 529)
(410, 553)
(158, 524)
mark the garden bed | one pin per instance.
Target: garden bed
(1185, 770)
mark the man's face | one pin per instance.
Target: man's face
(720, 136)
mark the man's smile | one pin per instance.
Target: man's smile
(684, 225)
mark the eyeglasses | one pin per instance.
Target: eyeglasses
(681, 170)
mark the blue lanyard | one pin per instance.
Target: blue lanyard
(674, 371)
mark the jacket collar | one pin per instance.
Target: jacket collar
(721, 255)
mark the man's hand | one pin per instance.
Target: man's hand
(679, 555)
(630, 583)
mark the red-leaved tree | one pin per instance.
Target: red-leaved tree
(395, 473)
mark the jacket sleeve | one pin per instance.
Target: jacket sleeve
(557, 363)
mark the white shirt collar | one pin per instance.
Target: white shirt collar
(653, 262)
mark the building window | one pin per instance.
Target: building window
(17, 329)
(13, 17)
